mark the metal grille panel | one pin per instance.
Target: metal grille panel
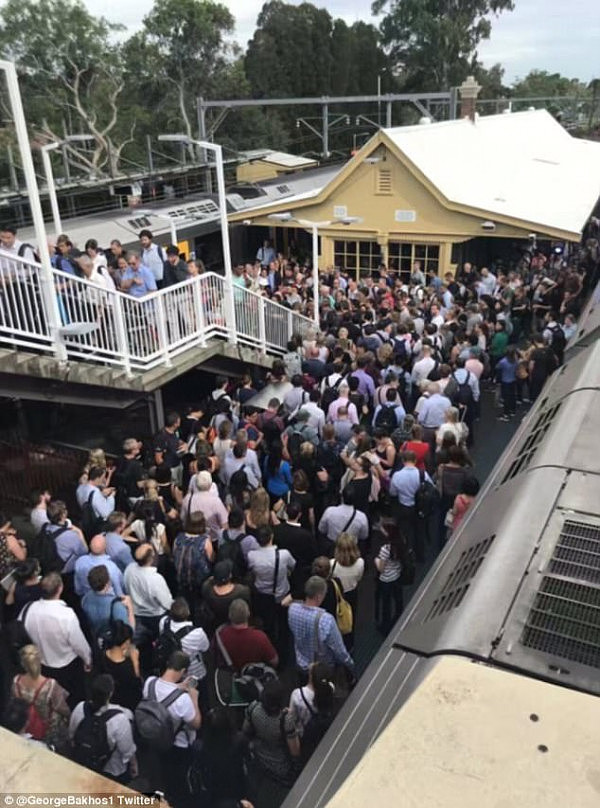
(577, 552)
(565, 621)
(454, 590)
(530, 445)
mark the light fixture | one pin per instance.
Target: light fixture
(372, 160)
(175, 139)
(281, 217)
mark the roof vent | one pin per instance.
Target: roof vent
(529, 447)
(384, 181)
(458, 582)
(424, 121)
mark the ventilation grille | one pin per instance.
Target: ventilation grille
(577, 552)
(384, 181)
(284, 189)
(458, 582)
(200, 210)
(565, 621)
(532, 441)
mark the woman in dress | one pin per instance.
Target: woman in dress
(121, 660)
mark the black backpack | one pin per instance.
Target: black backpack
(426, 498)
(91, 523)
(16, 635)
(434, 373)
(459, 393)
(295, 441)
(386, 418)
(168, 641)
(231, 550)
(315, 729)
(43, 547)
(90, 742)
(558, 342)
(330, 393)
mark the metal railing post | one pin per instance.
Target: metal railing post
(199, 310)
(262, 326)
(122, 341)
(46, 278)
(161, 328)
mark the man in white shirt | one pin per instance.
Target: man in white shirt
(39, 515)
(316, 416)
(122, 763)
(153, 256)
(193, 642)
(344, 518)
(423, 367)
(55, 629)
(183, 707)
(150, 597)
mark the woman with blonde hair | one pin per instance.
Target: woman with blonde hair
(348, 567)
(48, 712)
(453, 425)
(259, 513)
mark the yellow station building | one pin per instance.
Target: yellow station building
(443, 193)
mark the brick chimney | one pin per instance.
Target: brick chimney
(469, 90)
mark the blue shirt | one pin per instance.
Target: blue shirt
(103, 506)
(398, 410)
(68, 547)
(118, 550)
(405, 483)
(366, 385)
(146, 275)
(433, 411)
(97, 607)
(87, 562)
(327, 647)
(280, 483)
(506, 371)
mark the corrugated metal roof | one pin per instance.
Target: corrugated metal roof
(523, 165)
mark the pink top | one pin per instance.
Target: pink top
(462, 503)
(475, 367)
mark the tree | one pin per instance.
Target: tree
(71, 75)
(434, 42)
(181, 49)
(541, 84)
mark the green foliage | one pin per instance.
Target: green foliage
(541, 84)
(434, 42)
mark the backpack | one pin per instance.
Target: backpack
(212, 405)
(44, 549)
(434, 373)
(167, 642)
(386, 418)
(343, 610)
(90, 742)
(426, 498)
(154, 723)
(251, 680)
(36, 726)
(460, 394)
(271, 432)
(315, 728)
(558, 342)
(231, 550)
(330, 393)
(104, 637)
(295, 441)
(17, 636)
(91, 523)
(191, 562)
(25, 247)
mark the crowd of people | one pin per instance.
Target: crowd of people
(191, 627)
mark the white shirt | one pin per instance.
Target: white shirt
(348, 576)
(182, 710)
(194, 644)
(103, 506)
(153, 258)
(148, 590)
(119, 735)
(54, 628)
(316, 415)
(38, 518)
(422, 369)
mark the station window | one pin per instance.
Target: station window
(359, 257)
(402, 256)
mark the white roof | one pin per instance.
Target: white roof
(471, 736)
(523, 165)
(278, 158)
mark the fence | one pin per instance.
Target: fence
(101, 325)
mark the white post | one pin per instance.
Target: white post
(51, 190)
(262, 326)
(161, 328)
(199, 311)
(46, 277)
(122, 342)
(173, 232)
(229, 291)
(315, 274)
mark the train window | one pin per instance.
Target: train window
(532, 441)
(454, 590)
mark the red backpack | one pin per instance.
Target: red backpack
(36, 726)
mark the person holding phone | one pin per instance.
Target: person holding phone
(186, 715)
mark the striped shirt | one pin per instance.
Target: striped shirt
(391, 566)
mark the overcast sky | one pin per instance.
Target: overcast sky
(554, 35)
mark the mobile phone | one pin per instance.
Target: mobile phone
(192, 681)
(7, 582)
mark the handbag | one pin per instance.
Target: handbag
(343, 610)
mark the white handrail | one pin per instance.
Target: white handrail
(136, 333)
